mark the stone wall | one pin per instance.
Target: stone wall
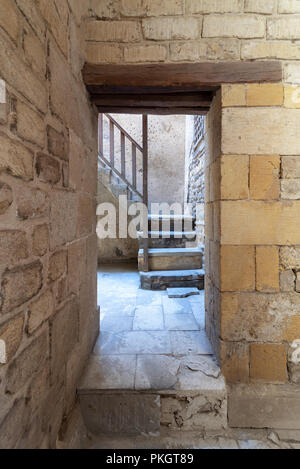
(48, 250)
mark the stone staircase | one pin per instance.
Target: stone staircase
(114, 184)
(172, 262)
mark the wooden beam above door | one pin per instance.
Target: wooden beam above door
(181, 75)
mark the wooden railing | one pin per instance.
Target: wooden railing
(126, 160)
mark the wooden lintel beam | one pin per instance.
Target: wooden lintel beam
(201, 99)
(182, 74)
(148, 90)
(153, 110)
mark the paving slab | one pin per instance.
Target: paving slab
(182, 292)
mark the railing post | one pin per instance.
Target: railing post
(123, 164)
(112, 142)
(133, 165)
(100, 132)
(145, 186)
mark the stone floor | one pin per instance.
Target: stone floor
(145, 335)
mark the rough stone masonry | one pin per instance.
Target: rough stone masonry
(48, 145)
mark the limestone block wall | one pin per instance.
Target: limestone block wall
(48, 249)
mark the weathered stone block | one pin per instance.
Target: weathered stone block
(11, 334)
(292, 329)
(13, 424)
(31, 203)
(270, 50)
(57, 265)
(292, 97)
(113, 31)
(257, 6)
(290, 166)
(267, 268)
(6, 197)
(86, 215)
(290, 189)
(30, 124)
(290, 257)
(20, 285)
(256, 222)
(283, 28)
(241, 26)
(47, 168)
(15, 158)
(235, 362)
(261, 131)
(234, 177)
(287, 281)
(39, 311)
(35, 51)
(64, 336)
(148, 53)
(56, 16)
(76, 265)
(26, 364)
(270, 94)
(268, 362)
(13, 247)
(63, 218)
(57, 144)
(33, 17)
(9, 20)
(213, 6)
(40, 240)
(151, 8)
(233, 95)
(214, 49)
(288, 6)
(237, 268)
(161, 29)
(106, 53)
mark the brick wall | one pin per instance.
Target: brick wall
(48, 253)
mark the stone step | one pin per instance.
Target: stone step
(172, 258)
(171, 222)
(168, 239)
(182, 393)
(161, 280)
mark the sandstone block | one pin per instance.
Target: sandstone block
(11, 334)
(9, 20)
(76, 161)
(270, 50)
(13, 247)
(233, 95)
(106, 53)
(291, 330)
(292, 73)
(241, 26)
(161, 29)
(30, 124)
(6, 197)
(63, 218)
(40, 240)
(113, 31)
(26, 364)
(268, 362)
(76, 265)
(288, 6)
(257, 6)
(15, 158)
(292, 97)
(264, 177)
(57, 265)
(222, 49)
(290, 189)
(39, 311)
(237, 268)
(64, 336)
(79, 9)
(57, 144)
(151, 8)
(57, 18)
(13, 424)
(235, 362)
(270, 94)
(283, 28)
(86, 215)
(287, 281)
(35, 52)
(267, 268)
(31, 203)
(256, 222)
(47, 168)
(147, 53)
(20, 285)
(245, 131)
(213, 6)
(290, 257)
(33, 17)
(290, 167)
(234, 177)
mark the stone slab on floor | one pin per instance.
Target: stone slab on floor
(161, 280)
(123, 414)
(182, 292)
